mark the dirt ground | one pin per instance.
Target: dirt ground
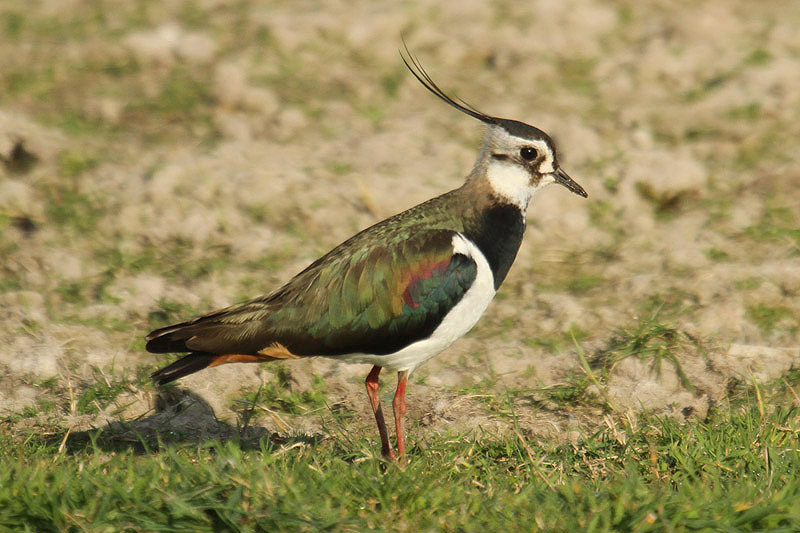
(161, 159)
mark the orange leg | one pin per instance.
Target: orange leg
(372, 391)
(399, 407)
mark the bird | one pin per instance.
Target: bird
(399, 292)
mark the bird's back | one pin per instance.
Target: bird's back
(347, 300)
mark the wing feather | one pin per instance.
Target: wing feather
(372, 302)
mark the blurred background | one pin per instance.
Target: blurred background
(160, 159)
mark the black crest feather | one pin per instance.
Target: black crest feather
(424, 78)
(514, 127)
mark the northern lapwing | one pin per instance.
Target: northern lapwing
(399, 292)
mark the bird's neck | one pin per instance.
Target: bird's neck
(494, 224)
(509, 183)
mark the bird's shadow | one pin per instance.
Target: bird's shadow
(179, 417)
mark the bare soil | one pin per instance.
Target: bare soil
(163, 159)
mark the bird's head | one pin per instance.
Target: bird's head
(517, 159)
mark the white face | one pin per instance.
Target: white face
(518, 167)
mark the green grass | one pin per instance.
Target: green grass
(733, 471)
(736, 471)
(768, 317)
(715, 254)
(649, 340)
(115, 114)
(73, 163)
(557, 342)
(278, 395)
(778, 223)
(98, 395)
(69, 208)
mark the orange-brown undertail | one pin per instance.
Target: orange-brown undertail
(196, 361)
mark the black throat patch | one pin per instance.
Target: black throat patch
(497, 232)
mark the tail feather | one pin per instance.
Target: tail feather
(211, 333)
(184, 366)
(171, 339)
(212, 340)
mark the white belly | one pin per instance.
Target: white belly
(456, 323)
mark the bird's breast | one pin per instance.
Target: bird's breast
(497, 232)
(458, 321)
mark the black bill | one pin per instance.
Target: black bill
(564, 179)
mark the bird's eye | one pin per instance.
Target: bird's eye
(527, 153)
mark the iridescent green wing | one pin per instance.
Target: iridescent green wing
(384, 298)
(359, 298)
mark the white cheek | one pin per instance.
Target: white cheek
(510, 182)
(546, 180)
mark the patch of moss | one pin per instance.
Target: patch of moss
(715, 254)
(759, 56)
(777, 224)
(749, 112)
(67, 207)
(768, 317)
(558, 342)
(584, 283)
(13, 24)
(72, 164)
(71, 292)
(748, 284)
